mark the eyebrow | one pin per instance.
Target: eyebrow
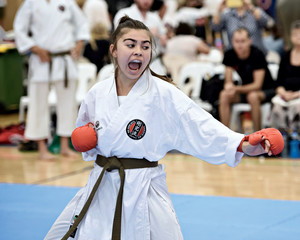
(133, 40)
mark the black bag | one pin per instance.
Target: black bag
(210, 91)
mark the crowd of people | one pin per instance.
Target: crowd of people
(183, 31)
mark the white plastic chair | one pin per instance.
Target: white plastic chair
(214, 56)
(86, 77)
(87, 73)
(238, 108)
(106, 72)
(195, 71)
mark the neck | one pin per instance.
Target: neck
(244, 55)
(296, 49)
(143, 12)
(124, 85)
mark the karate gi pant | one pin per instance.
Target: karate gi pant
(38, 116)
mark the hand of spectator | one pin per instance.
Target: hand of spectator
(289, 95)
(43, 54)
(255, 11)
(230, 88)
(76, 51)
(222, 6)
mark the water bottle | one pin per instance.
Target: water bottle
(294, 145)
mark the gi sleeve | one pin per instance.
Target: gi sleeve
(86, 115)
(22, 24)
(81, 26)
(206, 138)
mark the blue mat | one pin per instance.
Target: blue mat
(28, 211)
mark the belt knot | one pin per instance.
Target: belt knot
(114, 163)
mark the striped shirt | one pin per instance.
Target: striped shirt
(231, 21)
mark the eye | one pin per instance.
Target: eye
(130, 45)
(146, 47)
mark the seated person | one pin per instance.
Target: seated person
(96, 51)
(182, 48)
(257, 84)
(286, 104)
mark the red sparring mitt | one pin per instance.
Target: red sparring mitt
(84, 138)
(273, 135)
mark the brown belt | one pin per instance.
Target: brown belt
(110, 164)
(60, 54)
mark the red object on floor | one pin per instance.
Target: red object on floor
(12, 134)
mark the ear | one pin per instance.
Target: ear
(112, 50)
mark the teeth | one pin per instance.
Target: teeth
(136, 61)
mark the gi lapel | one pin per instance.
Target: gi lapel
(117, 117)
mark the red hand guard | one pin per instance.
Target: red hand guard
(84, 138)
(273, 135)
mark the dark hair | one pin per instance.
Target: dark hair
(295, 25)
(125, 24)
(184, 29)
(243, 29)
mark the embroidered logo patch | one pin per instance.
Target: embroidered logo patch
(61, 8)
(136, 129)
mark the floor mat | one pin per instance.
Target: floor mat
(28, 211)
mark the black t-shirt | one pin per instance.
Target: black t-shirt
(288, 75)
(246, 67)
(100, 56)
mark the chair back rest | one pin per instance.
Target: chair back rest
(86, 78)
(273, 68)
(106, 72)
(195, 71)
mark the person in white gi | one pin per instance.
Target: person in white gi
(138, 115)
(140, 11)
(96, 11)
(58, 30)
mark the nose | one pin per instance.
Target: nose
(137, 53)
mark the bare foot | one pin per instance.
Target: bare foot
(47, 156)
(69, 153)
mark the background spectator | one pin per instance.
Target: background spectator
(96, 51)
(286, 110)
(257, 84)
(254, 19)
(54, 47)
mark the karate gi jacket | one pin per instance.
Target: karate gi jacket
(55, 26)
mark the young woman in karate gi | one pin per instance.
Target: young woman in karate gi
(137, 115)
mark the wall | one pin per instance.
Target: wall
(10, 12)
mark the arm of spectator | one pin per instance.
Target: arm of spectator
(260, 15)
(77, 50)
(229, 86)
(258, 80)
(218, 20)
(203, 47)
(43, 54)
(287, 95)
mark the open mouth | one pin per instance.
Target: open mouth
(135, 65)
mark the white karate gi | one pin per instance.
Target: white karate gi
(55, 26)
(172, 121)
(96, 11)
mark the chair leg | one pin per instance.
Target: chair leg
(21, 112)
